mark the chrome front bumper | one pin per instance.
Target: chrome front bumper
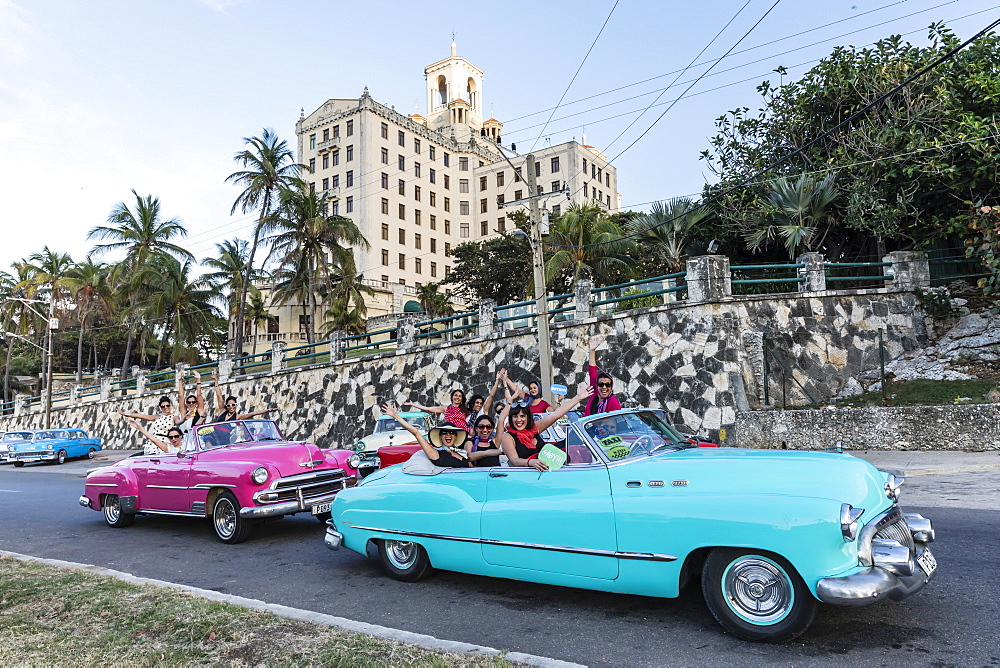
(873, 584)
(285, 507)
(333, 538)
(85, 502)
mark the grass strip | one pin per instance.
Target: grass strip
(54, 617)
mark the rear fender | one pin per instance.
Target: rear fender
(110, 480)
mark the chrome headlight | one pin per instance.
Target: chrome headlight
(259, 475)
(354, 461)
(892, 485)
(849, 516)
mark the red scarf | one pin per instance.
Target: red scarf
(527, 437)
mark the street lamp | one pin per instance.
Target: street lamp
(52, 325)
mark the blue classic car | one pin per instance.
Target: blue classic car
(638, 509)
(53, 445)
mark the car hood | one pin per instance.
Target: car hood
(28, 446)
(373, 442)
(285, 457)
(827, 475)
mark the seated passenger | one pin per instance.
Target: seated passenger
(484, 446)
(156, 446)
(523, 442)
(445, 446)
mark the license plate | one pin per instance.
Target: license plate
(928, 564)
(29, 459)
(320, 508)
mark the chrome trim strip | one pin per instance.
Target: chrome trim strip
(181, 513)
(210, 486)
(101, 484)
(166, 487)
(642, 556)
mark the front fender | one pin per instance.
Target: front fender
(110, 480)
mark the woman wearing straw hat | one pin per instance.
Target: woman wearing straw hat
(445, 442)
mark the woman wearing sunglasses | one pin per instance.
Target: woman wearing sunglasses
(484, 446)
(442, 445)
(194, 404)
(603, 401)
(230, 409)
(523, 440)
(163, 422)
(169, 444)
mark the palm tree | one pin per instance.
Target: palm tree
(347, 304)
(585, 242)
(267, 166)
(799, 212)
(258, 313)
(185, 302)
(228, 268)
(17, 315)
(89, 283)
(143, 235)
(666, 228)
(48, 269)
(433, 301)
(308, 242)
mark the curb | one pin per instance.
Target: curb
(408, 637)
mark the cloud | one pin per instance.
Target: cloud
(16, 33)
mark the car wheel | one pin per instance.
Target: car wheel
(404, 560)
(61, 457)
(18, 464)
(113, 514)
(90, 453)
(756, 596)
(229, 526)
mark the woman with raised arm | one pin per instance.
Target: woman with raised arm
(478, 405)
(533, 392)
(523, 440)
(445, 442)
(194, 404)
(456, 413)
(156, 446)
(162, 422)
(230, 407)
(603, 400)
(484, 446)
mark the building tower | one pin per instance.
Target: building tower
(454, 96)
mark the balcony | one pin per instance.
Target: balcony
(331, 193)
(328, 145)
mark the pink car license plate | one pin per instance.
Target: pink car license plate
(320, 508)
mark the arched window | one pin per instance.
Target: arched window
(471, 93)
(442, 90)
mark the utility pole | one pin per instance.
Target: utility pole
(541, 301)
(50, 326)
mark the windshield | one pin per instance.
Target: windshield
(630, 435)
(17, 436)
(390, 424)
(46, 435)
(228, 433)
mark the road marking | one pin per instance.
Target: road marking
(418, 639)
(12, 491)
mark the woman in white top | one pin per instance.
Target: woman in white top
(162, 422)
(156, 446)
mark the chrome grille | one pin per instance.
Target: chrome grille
(307, 486)
(896, 529)
(890, 525)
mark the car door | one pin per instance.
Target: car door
(164, 481)
(559, 521)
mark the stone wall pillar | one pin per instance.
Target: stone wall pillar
(910, 270)
(106, 386)
(225, 369)
(278, 362)
(336, 346)
(487, 317)
(180, 370)
(141, 379)
(406, 333)
(19, 404)
(584, 308)
(814, 272)
(74, 394)
(708, 278)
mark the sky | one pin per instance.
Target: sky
(102, 97)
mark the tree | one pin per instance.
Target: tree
(185, 304)
(497, 269)
(667, 228)
(257, 313)
(268, 165)
(89, 283)
(903, 168)
(584, 242)
(347, 304)
(798, 214)
(434, 302)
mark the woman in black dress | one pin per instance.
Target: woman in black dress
(442, 445)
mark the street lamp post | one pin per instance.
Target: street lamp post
(51, 326)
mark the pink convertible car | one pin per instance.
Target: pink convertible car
(236, 473)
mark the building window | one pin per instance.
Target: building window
(482, 183)
(336, 207)
(402, 261)
(593, 170)
(350, 153)
(326, 160)
(401, 162)
(385, 180)
(336, 130)
(416, 219)
(416, 240)
(402, 212)
(416, 193)
(312, 142)
(416, 145)
(304, 322)
(402, 281)
(463, 185)
(385, 207)
(417, 265)
(312, 186)
(447, 182)
(336, 180)
(312, 165)
(326, 134)
(483, 204)
(401, 138)
(447, 230)
(350, 204)
(431, 152)
(541, 190)
(609, 201)
(484, 228)
(336, 158)
(350, 178)
(554, 164)
(463, 164)
(385, 156)
(432, 175)
(499, 179)
(385, 131)
(434, 269)
(598, 174)
(501, 224)
(433, 198)
(447, 204)
(326, 184)
(463, 207)
(434, 245)
(538, 169)
(402, 237)
(434, 222)
(385, 258)
(464, 230)
(555, 186)
(385, 231)
(556, 209)
(518, 193)
(447, 271)
(401, 187)
(416, 169)
(447, 248)
(446, 156)
(517, 175)
(385, 279)
(500, 201)
(584, 167)
(350, 128)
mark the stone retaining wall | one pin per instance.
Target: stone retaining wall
(973, 427)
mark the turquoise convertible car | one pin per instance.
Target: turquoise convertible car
(638, 509)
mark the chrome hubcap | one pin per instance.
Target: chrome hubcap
(112, 510)
(758, 590)
(401, 554)
(225, 518)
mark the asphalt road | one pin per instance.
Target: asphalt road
(951, 622)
